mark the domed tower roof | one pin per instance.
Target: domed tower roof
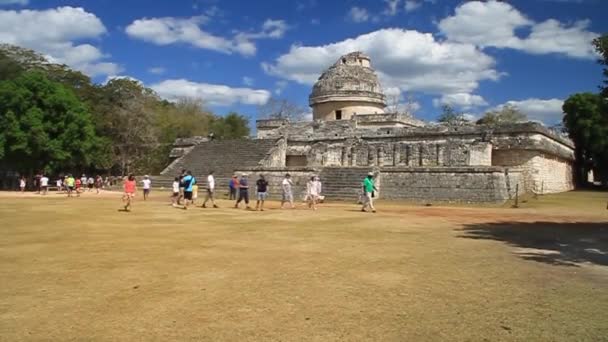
(351, 78)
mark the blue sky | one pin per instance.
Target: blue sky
(234, 55)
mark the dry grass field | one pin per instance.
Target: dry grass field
(79, 269)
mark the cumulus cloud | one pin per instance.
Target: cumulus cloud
(461, 100)
(171, 30)
(548, 111)
(213, 94)
(494, 24)
(407, 60)
(358, 14)
(55, 33)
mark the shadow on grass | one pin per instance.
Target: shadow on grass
(555, 243)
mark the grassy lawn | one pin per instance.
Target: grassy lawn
(78, 269)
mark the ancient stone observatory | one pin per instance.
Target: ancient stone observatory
(412, 160)
(347, 88)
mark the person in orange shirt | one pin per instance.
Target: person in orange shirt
(130, 188)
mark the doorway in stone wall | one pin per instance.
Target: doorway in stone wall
(292, 160)
(338, 115)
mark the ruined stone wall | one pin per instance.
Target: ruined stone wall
(541, 172)
(476, 185)
(327, 111)
(443, 184)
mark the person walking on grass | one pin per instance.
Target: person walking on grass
(243, 191)
(130, 187)
(90, 183)
(175, 196)
(233, 186)
(262, 190)
(44, 184)
(181, 187)
(188, 182)
(78, 186)
(146, 184)
(368, 195)
(70, 183)
(312, 193)
(286, 187)
(210, 191)
(22, 183)
(98, 183)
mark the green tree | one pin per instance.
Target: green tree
(126, 115)
(507, 114)
(586, 119)
(450, 117)
(43, 125)
(231, 126)
(601, 46)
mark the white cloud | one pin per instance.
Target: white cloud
(279, 87)
(412, 5)
(547, 111)
(157, 70)
(408, 60)
(248, 81)
(54, 32)
(358, 14)
(461, 100)
(392, 7)
(14, 2)
(494, 24)
(171, 30)
(213, 94)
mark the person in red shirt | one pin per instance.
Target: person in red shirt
(130, 188)
(78, 184)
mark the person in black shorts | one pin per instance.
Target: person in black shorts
(243, 191)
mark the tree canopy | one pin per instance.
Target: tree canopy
(505, 115)
(122, 125)
(451, 117)
(43, 125)
(601, 46)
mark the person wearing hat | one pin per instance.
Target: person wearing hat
(368, 189)
(243, 191)
(146, 183)
(286, 186)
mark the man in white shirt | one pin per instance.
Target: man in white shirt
(44, 184)
(146, 183)
(210, 191)
(286, 186)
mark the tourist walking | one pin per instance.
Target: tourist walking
(78, 186)
(262, 192)
(146, 184)
(368, 193)
(59, 184)
(90, 183)
(311, 193)
(187, 184)
(181, 186)
(210, 191)
(175, 188)
(286, 187)
(98, 183)
(44, 184)
(243, 191)
(37, 182)
(83, 181)
(130, 187)
(233, 187)
(22, 184)
(70, 183)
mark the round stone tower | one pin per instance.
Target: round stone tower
(347, 88)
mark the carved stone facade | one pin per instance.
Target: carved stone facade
(412, 160)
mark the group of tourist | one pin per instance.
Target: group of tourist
(185, 191)
(67, 184)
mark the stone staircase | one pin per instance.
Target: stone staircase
(343, 183)
(221, 156)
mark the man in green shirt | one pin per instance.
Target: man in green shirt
(368, 189)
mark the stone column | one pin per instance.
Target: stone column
(380, 156)
(396, 154)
